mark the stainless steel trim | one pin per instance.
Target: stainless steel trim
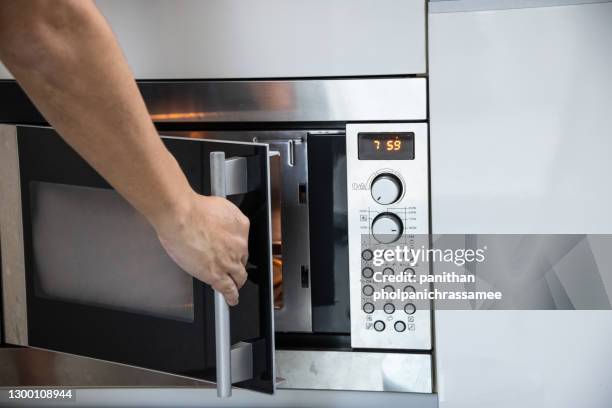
(270, 276)
(222, 315)
(355, 371)
(458, 6)
(372, 99)
(11, 240)
(236, 176)
(32, 367)
(412, 208)
(296, 313)
(242, 362)
(26, 367)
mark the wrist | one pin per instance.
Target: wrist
(175, 214)
(171, 206)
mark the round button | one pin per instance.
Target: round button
(367, 255)
(409, 289)
(389, 308)
(379, 325)
(388, 288)
(368, 290)
(386, 189)
(367, 273)
(409, 272)
(388, 271)
(399, 326)
(409, 308)
(368, 307)
(387, 228)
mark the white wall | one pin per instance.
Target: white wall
(521, 142)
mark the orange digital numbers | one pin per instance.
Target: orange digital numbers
(393, 145)
(386, 146)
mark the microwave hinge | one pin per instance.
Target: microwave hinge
(241, 361)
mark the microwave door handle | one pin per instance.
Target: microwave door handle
(222, 314)
(234, 362)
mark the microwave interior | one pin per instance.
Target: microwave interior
(309, 216)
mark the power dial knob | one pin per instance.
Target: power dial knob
(387, 228)
(386, 189)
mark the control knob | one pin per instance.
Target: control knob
(387, 228)
(386, 189)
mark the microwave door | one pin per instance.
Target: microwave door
(240, 171)
(83, 272)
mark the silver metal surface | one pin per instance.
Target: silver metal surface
(413, 211)
(222, 315)
(295, 315)
(287, 100)
(29, 367)
(100, 383)
(386, 189)
(387, 228)
(356, 371)
(242, 361)
(11, 240)
(199, 398)
(458, 6)
(26, 367)
(236, 176)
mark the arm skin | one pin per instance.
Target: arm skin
(65, 56)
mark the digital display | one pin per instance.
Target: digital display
(386, 146)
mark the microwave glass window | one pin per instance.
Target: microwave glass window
(386, 146)
(91, 247)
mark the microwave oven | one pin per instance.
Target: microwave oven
(327, 170)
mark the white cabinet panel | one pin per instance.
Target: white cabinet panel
(521, 120)
(521, 140)
(170, 39)
(534, 359)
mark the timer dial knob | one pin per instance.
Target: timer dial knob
(387, 228)
(386, 189)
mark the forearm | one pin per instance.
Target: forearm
(65, 57)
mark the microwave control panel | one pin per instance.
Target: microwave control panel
(388, 216)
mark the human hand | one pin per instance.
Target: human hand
(208, 238)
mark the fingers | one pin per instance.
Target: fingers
(228, 289)
(245, 222)
(228, 285)
(238, 271)
(230, 248)
(239, 276)
(231, 267)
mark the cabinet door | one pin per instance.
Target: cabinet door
(97, 283)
